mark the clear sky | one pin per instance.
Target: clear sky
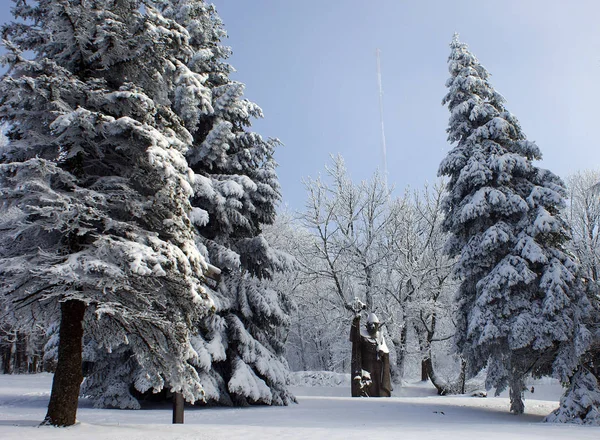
(311, 66)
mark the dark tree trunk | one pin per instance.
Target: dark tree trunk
(9, 353)
(423, 333)
(62, 409)
(21, 353)
(368, 287)
(34, 365)
(6, 355)
(462, 378)
(516, 385)
(425, 369)
(356, 361)
(441, 387)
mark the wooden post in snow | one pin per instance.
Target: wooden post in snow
(213, 273)
(178, 408)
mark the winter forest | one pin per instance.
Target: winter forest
(148, 252)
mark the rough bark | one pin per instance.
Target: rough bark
(62, 409)
(516, 395)
(424, 335)
(462, 378)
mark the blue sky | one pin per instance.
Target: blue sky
(311, 66)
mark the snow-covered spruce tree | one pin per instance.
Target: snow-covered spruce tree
(237, 190)
(233, 194)
(96, 221)
(580, 404)
(520, 302)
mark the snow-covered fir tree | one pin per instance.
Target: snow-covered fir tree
(235, 192)
(521, 306)
(96, 220)
(238, 189)
(580, 403)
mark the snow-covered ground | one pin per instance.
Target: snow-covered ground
(322, 413)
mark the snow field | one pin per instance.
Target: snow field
(417, 414)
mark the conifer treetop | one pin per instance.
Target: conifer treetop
(520, 305)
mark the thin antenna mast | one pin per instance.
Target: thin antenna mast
(383, 148)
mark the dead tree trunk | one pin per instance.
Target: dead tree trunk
(62, 409)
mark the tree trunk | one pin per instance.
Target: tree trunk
(516, 394)
(441, 387)
(368, 287)
(400, 347)
(62, 409)
(12, 355)
(394, 370)
(21, 353)
(424, 348)
(427, 371)
(462, 377)
(302, 346)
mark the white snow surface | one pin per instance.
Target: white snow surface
(414, 413)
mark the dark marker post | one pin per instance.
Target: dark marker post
(177, 408)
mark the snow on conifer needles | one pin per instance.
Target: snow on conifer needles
(138, 228)
(235, 190)
(98, 195)
(522, 306)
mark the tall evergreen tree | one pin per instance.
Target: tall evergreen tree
(236, 190)
(96, 219)
(237, 187)
(520, 302)
(580, 403)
